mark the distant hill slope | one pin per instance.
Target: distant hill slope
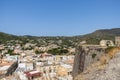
(92, 38)
(6, 37)
(95, 37)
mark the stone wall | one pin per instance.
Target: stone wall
(117, 40)
(86, 55)
(78, 66)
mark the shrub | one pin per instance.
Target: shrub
(94, 55)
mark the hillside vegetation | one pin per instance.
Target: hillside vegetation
(92, 38)
(95, 37)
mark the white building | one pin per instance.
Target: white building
(106, 43)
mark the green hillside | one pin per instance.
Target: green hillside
(92, 38)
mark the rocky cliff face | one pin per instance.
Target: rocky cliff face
(99, 71)
(79, 61)
(85, 56)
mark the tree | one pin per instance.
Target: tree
(58, 51)
(38, 52)
(10, 52)
(94, 55)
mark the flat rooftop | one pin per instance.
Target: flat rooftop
(6, 62)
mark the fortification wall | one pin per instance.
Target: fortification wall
(86, 55)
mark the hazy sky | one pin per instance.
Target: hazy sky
(58, 17)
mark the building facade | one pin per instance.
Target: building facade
(106, 43)
(117, 40)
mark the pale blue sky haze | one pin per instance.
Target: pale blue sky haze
(58, 17)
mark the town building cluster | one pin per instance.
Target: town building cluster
(30, 66)
(22, 63)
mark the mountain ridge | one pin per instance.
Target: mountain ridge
(91, 38)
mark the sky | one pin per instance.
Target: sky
(58, 17)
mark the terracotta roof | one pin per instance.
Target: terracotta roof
(32, 73)
(5, 62)
(70, 61)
